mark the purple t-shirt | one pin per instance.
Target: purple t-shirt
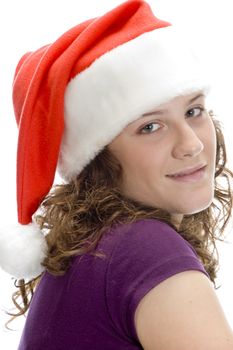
(92, 306)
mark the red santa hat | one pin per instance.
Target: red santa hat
(72, 97)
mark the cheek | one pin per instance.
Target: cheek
(211, 140)
(150, 165)
(143, 160)
(207, 135)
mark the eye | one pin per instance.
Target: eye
(149, 128)
(191, 112)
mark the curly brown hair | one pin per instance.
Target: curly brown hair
(76, 215)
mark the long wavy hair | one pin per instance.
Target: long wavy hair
(75, 215)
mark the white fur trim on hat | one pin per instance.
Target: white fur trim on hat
(22, 249)
(121, 85)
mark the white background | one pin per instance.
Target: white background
(26, 25)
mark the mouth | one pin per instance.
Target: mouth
(189, 175)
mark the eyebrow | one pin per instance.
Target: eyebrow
(164, 110)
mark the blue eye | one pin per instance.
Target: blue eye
(149, 128)
(154, 126)
(201, 109)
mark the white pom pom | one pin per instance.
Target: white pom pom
(22, 249)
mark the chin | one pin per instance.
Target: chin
(198, 208)
(194, 208)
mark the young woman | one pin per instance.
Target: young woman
(121, 254)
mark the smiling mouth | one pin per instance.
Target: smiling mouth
(189, 177)
(188, 171)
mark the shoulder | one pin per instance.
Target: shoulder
(191, 296)
(149, 236)
(144, 254)
(142, 228)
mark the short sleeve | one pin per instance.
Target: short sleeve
(148, 252)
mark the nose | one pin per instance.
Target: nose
(187, 143)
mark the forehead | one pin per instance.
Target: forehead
(185, 100)
(182, 99)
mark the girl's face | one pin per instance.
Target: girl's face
(175, 137)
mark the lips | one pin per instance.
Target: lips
(187, 171)
(189, 176)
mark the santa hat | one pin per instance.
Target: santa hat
(72, 97)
